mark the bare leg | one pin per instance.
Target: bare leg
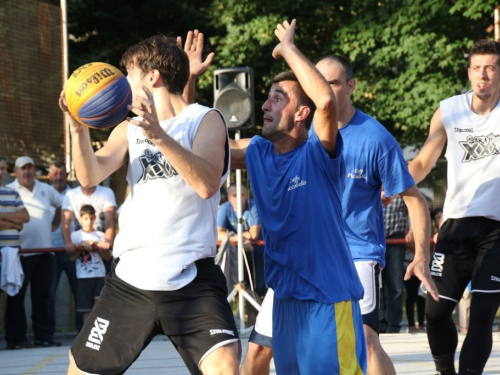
(379, 362)
(257, 360)
(224, 360)
(72, 369)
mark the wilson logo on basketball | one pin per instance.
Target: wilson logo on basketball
(95, 78)
(437, 265)
(97, 334)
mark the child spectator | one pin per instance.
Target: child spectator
(90, 270)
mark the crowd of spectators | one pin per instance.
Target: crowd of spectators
(31, 218)
(54, 213)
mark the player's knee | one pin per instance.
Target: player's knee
(227, 366)
(72, 369)
(436, 312)
(223, 361)
(484, 307)
(372, 339)
(258, 351)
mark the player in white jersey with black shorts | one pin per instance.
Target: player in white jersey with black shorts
(468, 245)
(164, 280)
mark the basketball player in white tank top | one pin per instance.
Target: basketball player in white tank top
(165, 280)
(468, 246)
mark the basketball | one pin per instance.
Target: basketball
(97, 95)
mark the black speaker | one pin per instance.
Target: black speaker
(234, 97)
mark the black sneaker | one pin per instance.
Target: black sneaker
(21, 345)
(46, 344)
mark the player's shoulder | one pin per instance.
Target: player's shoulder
(258, 140)
(372, 130)
(195, 110)
(455, 98)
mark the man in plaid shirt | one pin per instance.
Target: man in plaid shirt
(391, 295)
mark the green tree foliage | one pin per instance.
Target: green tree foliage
(411, 54)
(407, 54)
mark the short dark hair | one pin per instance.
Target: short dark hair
(163, 54)
(302, 98)
(233, 185)
(485, 47)
(58, 164)
(346, 64)
(87, 209)
(436, 212)
(2, 158)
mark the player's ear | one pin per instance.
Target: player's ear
(351, 84)
(302, 113)
(154, 77)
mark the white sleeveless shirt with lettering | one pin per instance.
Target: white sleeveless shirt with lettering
(473, 154)
(165, 226)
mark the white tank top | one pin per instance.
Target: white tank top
(473, 154)
(165, 226)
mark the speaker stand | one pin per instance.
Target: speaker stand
(240, 287)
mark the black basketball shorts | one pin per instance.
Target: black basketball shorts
(197, 318)
(467, 249)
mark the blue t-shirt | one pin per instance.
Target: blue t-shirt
(372, 158)
(298, 196)
(227, 219)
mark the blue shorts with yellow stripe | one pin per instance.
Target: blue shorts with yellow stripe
(316, 338)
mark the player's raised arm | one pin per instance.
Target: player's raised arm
(194, 49)
(431, 150)
(313, 83)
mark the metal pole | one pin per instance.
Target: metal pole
(239, 214)
(67, 139)
(497, 23)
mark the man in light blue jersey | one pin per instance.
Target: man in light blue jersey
(372, 158)
(297, 184)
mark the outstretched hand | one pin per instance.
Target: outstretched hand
(64, 108)
(194, 50)
(420, 268)
(285, 33)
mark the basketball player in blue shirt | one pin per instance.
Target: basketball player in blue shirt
(295, 179)
(372, 157)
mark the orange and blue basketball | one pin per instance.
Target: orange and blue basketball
(97, 95)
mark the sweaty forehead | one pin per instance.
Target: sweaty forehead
(284, 87)
(483, 60)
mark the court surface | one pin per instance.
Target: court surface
(409, 352)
